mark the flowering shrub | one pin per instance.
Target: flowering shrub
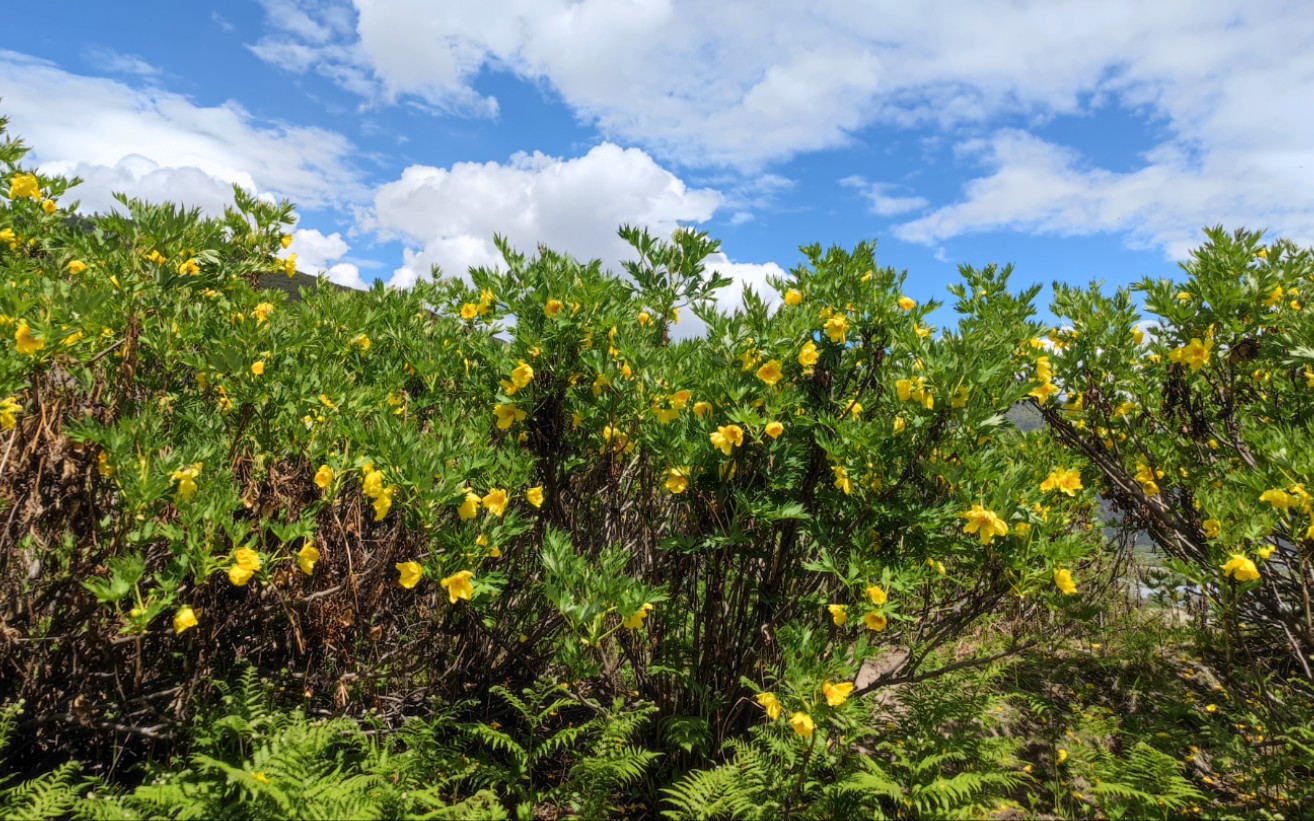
(1197, 422)
(485, 481)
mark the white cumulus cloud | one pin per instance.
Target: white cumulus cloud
(159, 145)
(320, 254)
(1227, 85)
(448, 216)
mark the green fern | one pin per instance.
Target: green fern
(531, 762)
(251, 760)
(49, 795)
(1146, 784)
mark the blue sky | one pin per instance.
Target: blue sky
(1077, 140)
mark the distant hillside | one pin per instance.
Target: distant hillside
(1025, 417)
(292, 285)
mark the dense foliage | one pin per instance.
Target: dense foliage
(500, 543)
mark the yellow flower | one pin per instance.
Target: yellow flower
(246, 558)
(1212, 528)
(875, 621)
(306, 558)
(409, 574)
(984, 523)
(677, 481)
(552, 308)
(1062, 755)
(239, 575)
(324, 477)
(809, 355)
(362, 341)
(486, 299)
(793, 297)
(1044, 371)
(701, 409)
(644, 317)
(1138, 336)
(77, 266)
(8, 237)
(838, 614)
(186, 479)
(535, 496)
(495, 501)
(261, 777)
(877, 595)
(1147, 478)
(9, 410)
(1279, 499)
(27, 343)
(1241, 568)
(290, 265)
(1266, 551)
(842, 480)
(726, 437)
(262, 312)
(184, 619)
(24, 185)
(285, 241)
(258, 368)
(522, 375)
(469, 311)
(1062, 480)
(923, 331)
(383, 503)
(899, 425)
(770, 373)
(458, 586)
(961, 395)
(771, 704)
(802, 724)
(635, 622)
(1043, 393)
(774, 429)
(910, 389)
(1063, 580)
(1194, 354)
(906, 303)
(680, 399)
(189, 267)
(49, 206)
(665, 415)
(372, 482)
(837, 327)
(1183, 296)
(837, 694)
(470, 507)
(1262, 253)
(507, 414)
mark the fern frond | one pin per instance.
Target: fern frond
(49, 795)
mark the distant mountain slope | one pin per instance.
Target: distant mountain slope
(292, 285)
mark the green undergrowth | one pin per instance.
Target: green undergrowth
(1127, 720)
